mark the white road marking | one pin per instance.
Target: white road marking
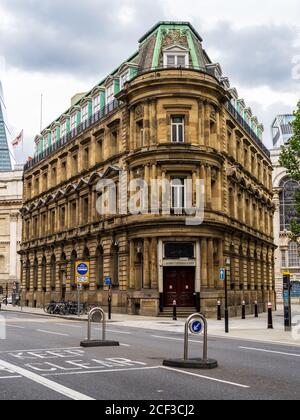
(69, 325)
(205, 377)
(119, 332)
(33, 350)
(60, 389)
(10, 377)
(125, 345)
(174, 339)
(102, 371)
(53, 333)
(270, 351)
(15, 326)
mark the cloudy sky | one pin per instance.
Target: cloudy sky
(60, 47)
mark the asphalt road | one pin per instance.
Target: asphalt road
(41, 359)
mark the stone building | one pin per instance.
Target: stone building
(165, 114)
(287, 257)
(11, 187)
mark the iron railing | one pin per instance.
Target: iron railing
(235, 114)
(98, 116)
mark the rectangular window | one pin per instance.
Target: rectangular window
(85, 210)
(178, 189)
(63, 170)
(177, 124)
(64, 129)
(54, 136)
(63, 217)
(110, 94)
(96, 104)
(179, 250)
(85, 113)
(74, 165)
(123, 79)
(140, 134)
(114, 143)
(73, 121)
(86, 158)
(176, 60)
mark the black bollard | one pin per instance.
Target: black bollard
(219, 311)
(244, 310)
(270, 317)
(256, 309)
(174, 310)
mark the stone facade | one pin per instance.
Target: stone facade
(153, 258)
(11, 186)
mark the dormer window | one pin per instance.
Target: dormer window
(64, 129)
(54, 136)
(176, 56)
(74, 121)
(96, 104)
(124, 79)
(85, 113)
(110, 94)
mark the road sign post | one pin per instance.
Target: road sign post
(287, 302)
(107, 282)
(82, 279)
(223, 278)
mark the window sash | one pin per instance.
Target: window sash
(178, 194)
(85, 113)
(178, 130)
(73, 121)
(96, 104)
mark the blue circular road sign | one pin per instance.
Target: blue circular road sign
(82, 269)
(196, 327)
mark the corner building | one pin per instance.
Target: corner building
(166, 113)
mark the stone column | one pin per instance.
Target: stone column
(208, 187)
(146, 264)
(204, 276)
(131, 265)
(13, 247)
(210, 262)
(207, 125)
(154, 268)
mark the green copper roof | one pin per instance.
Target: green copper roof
(171, 24)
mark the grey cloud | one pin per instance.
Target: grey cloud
(256, 55)
(71, 36)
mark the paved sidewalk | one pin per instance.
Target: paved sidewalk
(249, 329)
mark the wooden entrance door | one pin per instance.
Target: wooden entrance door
(179, 285)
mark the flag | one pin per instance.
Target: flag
(18, 140)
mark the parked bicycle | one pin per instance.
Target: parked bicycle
(67, 308)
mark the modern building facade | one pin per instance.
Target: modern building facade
(287, 258)
(5, 161)
(166, 114)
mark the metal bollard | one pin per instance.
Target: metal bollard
(196, 325)
(97, 343)
(244, 310)
(256, 309)
(219, 311)
(270, 316)
(174, 310)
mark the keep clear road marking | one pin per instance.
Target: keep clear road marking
(206, 377)
(53, 333)
(60, 389)
(270, 351)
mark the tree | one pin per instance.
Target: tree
(290, 159)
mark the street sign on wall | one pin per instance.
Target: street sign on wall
(82, 272)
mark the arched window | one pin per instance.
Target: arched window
(294, 255)
(35, 274)
(53, 272)
(99, 266)
(28, 275)
(44, 274)
(114, 265)
(288, 211)
(73, 264)
(1, 290)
